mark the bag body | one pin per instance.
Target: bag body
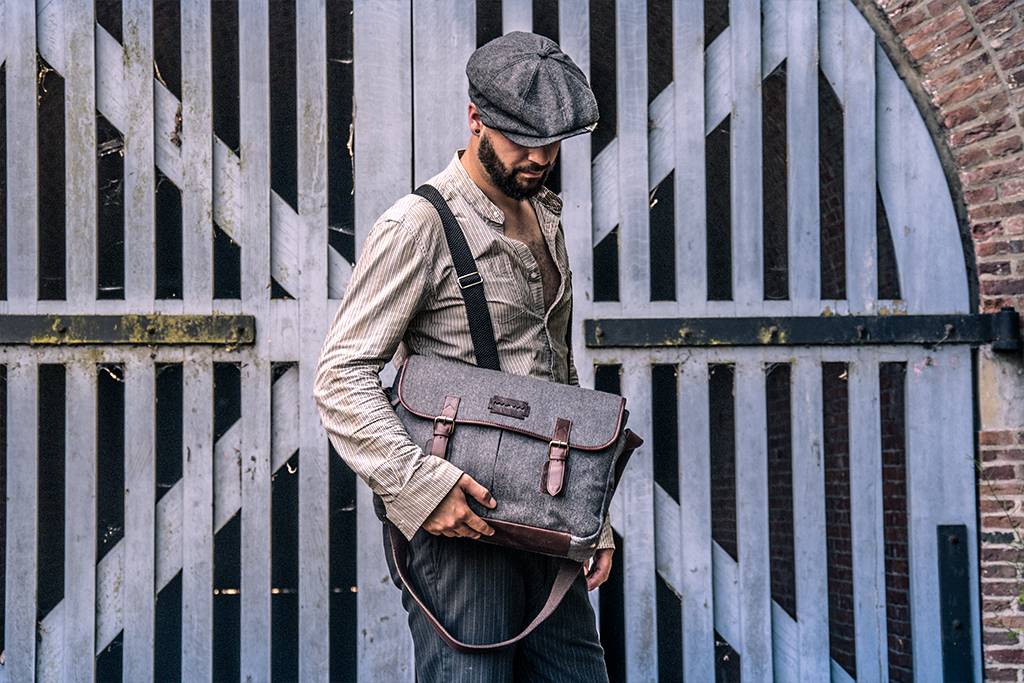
(507, 431)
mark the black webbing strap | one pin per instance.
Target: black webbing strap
(469, 280)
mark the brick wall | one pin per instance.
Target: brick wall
(964, 60)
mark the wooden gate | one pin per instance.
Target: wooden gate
(767, 263)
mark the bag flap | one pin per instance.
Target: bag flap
(527, 405)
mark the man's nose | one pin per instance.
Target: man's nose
(544, 155)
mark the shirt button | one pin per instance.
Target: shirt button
(534, 275)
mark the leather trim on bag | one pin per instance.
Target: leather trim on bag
(519, 430)
(526, 537)
(554, 471)
(444, 425)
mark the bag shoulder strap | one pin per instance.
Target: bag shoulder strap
(567, 572)
(470, 282)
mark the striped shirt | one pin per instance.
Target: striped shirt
(403, 298)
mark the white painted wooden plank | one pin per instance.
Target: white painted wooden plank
(254, 116)
(859, 156)
(197, 156)
(139, 517)
(382, 83)
(804, 229)
(755, 646)
(688, 153)
(517, 15)
(314, 536)
(197, 526)
(831, 15)
(22, 525)
(440, 85)
(80, 153)
(636, 493)
(632, 133)
(774, 41)
(917, 201)
(810, 550)
(745, 156)
(80, 482)
(577, 204)
(940, 490)
(22, 197)
(867, 521)
(695, 544)
(139, 173)
(577, 186)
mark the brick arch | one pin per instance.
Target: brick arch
(963, 63)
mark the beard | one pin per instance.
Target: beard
(505, 180)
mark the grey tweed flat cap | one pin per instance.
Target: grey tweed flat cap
(526, 87)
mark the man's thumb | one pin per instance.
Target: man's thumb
(475, 489)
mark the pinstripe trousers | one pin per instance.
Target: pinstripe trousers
(483, 592)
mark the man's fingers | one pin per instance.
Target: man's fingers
(600, 570)
(475, 523)
(478, 491)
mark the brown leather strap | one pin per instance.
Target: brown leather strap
(552, 477)
(444, 425)
(567, 571)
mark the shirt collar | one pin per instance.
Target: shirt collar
(464, 184)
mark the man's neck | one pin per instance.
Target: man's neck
(476, 172)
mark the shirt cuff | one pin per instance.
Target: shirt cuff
(430, 483)
(607, 540)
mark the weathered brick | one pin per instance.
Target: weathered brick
(990, 9)
(997, 437)
(1000, 247)
(1009, 189)
(999, 169)
(999, 210)
(1011, 59)
(1001, 571)
(1006, 145)
(960, 116)
(981, 131)
(1013, 225)
(1012, 655)
(1008, 286)
(981, 195)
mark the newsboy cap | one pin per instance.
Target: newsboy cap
(526, 87)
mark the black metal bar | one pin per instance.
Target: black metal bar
(71, 330)
(955, 603)
(1001, 329)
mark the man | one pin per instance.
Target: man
(525, 97)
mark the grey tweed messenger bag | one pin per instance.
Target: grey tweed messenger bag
(551, 454)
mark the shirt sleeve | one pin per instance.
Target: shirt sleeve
(607, 540)
(389, 283)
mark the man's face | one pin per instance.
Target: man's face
(510, 177)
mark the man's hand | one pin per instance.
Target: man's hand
(598, 568)
(453, 516)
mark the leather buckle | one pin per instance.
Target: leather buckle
(469, 275)
(556, 442)
(445, 418)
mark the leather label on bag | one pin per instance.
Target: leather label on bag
(509, 406)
